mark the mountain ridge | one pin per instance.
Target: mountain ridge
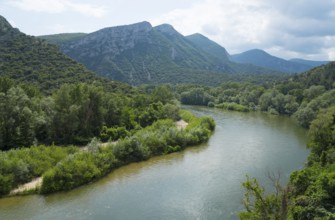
(209, 46)
(140, 53)
(261, 58)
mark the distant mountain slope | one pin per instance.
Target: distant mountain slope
(140, 53)
(61, 38)
(209, 46)
(137, 53)
(310, 63)
(215, 50)
(261, 58)
(29, 59)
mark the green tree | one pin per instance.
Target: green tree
(17, 119)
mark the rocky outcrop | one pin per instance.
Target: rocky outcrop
(112, 41)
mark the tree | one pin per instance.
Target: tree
(261, 206)
(17, 119)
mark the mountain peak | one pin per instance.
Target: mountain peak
(197, 35)
(143, 26)
(261, 58)
(4, 25)
(257, 51)
(209, 46)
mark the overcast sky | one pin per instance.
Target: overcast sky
(284, 28)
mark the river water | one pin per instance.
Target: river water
(202, 182)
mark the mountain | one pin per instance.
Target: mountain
(209, 46)
(261, 58)
(310, 63)
(139, 53)
(215, 50)
(61, 38)
(29, 59)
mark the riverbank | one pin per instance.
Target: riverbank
(36, 183)
(32, 186)
(162, 137)
(201, 182)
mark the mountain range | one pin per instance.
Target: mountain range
(135, 54)
(140, 53)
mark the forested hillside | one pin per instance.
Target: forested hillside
(301, 96)
(34, 61)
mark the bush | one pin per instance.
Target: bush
(77, 170)
(113, 133)
(233, 107)
(22, 165)
(162, 137)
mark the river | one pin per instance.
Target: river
(202, 182)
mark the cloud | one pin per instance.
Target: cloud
(286, 28)
(59, 6)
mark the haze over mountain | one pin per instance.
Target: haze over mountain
(261, 58)
(140, 53)
(311, 63)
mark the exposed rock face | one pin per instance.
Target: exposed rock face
(113, 40)
(140, 53)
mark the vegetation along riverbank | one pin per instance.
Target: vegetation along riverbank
(310, 99)
(144, 124)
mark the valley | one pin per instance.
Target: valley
(173, 119)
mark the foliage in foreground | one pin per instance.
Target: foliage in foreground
(311, 191)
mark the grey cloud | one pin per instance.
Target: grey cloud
(300, 27)
(315, 9)
(210, 29)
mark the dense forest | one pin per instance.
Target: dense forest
(143, 124)
(301, 96)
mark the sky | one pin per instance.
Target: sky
(284, 28)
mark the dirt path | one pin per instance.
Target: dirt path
(34, 184)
